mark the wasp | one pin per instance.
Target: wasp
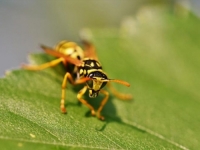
(82, 67)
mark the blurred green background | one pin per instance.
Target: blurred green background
(26, 24)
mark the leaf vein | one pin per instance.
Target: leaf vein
(49, 143)
(156, 134)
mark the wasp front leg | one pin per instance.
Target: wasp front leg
(103, 102)
(79, 96)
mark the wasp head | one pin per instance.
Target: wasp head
(97, 81)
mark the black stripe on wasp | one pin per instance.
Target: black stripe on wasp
(81, 67)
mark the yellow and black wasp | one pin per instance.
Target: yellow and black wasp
(81, 67)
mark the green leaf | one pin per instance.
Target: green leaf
(160, 59)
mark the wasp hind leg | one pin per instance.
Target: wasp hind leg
(43, 66)
(118, 94)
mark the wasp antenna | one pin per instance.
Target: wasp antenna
(105, 80)
(120, 82)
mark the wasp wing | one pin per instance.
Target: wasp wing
(89, 50)
(52, 52)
